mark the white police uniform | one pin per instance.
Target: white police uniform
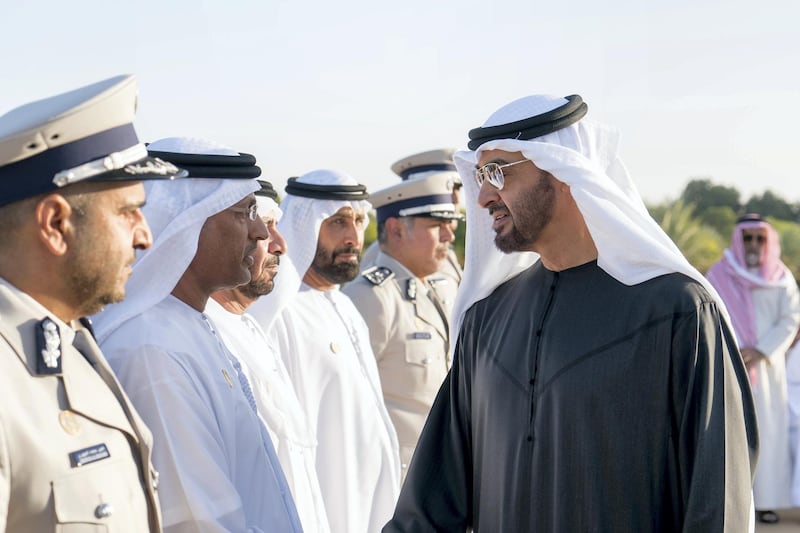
(73, 451)
(74, 454)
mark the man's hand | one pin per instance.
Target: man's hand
(751, 356)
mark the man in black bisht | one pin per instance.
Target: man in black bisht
(597, 389)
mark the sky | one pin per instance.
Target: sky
(697, 88)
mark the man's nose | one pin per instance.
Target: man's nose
(258, 230)
(487, 194)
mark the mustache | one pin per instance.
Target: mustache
(347, 250)
(496, 206)
(272, 260)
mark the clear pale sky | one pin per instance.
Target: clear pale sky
(697, 88)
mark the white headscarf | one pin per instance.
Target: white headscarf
(176, 212)
(269, 208)
(631, 246)
(302, 218)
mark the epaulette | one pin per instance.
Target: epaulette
(378, 275)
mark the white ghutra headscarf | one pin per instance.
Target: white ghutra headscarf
(299, 225)
(631, 246)
(175, 212)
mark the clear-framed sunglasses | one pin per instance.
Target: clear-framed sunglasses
(493, 173)
(251, 211)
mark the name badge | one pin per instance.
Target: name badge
(420, 335)
(89, 455)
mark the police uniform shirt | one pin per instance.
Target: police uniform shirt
(73, 452)
(409, 337)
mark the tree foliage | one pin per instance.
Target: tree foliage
(698, 242)
(715, 208)
(771, 205)
(703, 194)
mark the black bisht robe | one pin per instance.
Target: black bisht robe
(576, 403)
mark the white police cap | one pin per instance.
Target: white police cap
(423, 164)
(84, 134)
(431, 196)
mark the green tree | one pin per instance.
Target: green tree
(769, 204)
(701, 244)
(789, 233)
(720, 217)
(702, 194)
(460, 241)
(371, 233)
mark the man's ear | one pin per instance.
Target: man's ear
(395, 228)
(54, 223)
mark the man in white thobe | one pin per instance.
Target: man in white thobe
(219, 470)
(325, 344)
(277, 402)
(762, 297)
(793, 394)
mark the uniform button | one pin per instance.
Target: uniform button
(404, 466)
(104, 510)
(425, 361)
(154, 479)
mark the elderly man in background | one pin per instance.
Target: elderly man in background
(219, 470)
(325, 344)
(274, 393)
(762, 297)
(407, 320)
(73, 451)
(595, 384)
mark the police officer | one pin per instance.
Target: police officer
(74, 455)
(417, 166)
(407, 320)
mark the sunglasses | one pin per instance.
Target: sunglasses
(493, 173)
(748, 238)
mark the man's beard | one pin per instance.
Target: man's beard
(752, 259)
(337, 273)
(92, 278)
(533, 211)
(264, 283)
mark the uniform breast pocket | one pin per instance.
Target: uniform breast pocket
(99, 498)
(425, 364)
(418, 348)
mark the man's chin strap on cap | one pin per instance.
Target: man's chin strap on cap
(532, 127)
